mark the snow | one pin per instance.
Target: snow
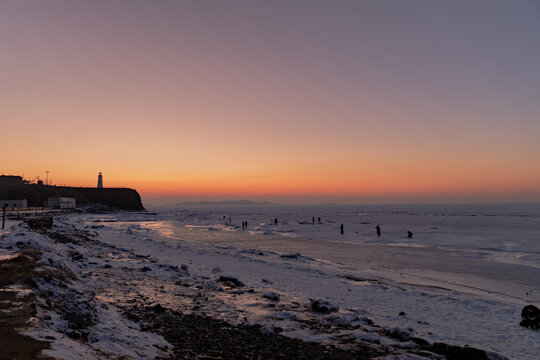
(111, 336)
(462, 279)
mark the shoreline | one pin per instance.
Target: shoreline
(139, 284)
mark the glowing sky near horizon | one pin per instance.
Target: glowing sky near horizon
(290, 101)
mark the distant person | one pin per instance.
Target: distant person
(246, 224)
(409, 234)
(341, 229)
(230, 221)
(243, 225)
(378, 228)
(319, 220)
(275, 221)
(313, 220)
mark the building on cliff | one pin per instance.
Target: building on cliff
(10, 180)
(14, 203)
(61, 202)
(36, 195)
(100, 181)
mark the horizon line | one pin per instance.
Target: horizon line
(267, 203)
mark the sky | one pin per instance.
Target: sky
(289, 101)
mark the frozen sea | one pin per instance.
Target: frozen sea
(462, 278)
(488, 248)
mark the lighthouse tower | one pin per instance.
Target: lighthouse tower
(100, 181)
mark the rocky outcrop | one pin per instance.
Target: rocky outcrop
(121, 198)
(113, 198)
(40, 222)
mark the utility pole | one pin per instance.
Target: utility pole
(47, 181)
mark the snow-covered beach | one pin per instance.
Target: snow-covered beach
(462, 279)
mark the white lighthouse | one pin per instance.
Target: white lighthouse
(100, 181)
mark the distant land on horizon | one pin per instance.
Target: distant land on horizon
(233, 203)
(223, 203)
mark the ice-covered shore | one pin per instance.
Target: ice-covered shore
(123, 263)
(67, 313)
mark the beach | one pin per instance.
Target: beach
(128, 276)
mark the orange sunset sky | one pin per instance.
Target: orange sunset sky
(287, 101)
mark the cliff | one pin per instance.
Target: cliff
(120, 198)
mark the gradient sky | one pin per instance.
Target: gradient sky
(290, 101)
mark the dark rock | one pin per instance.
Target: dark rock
(196, 337)
(267, 329)
(78, 320)
(342, 320)
(31, 282)
(530, 317)
(75, 335)
(367, 321)
(291, 256)
(400, 334)
(162, 348)
(420, 341)
(183, 271)
(107, 266)
(40, 222)
(133, 317)
(272, 296)
(456, 352)
(59, 238)
(231, 281)
(77, 256)
(145, 269)
(323, 306)
(158, 308)
(373, 338)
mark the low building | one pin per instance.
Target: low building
(10, 180)
(61, 202)
(17, 204)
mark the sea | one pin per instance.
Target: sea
(462, 278)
